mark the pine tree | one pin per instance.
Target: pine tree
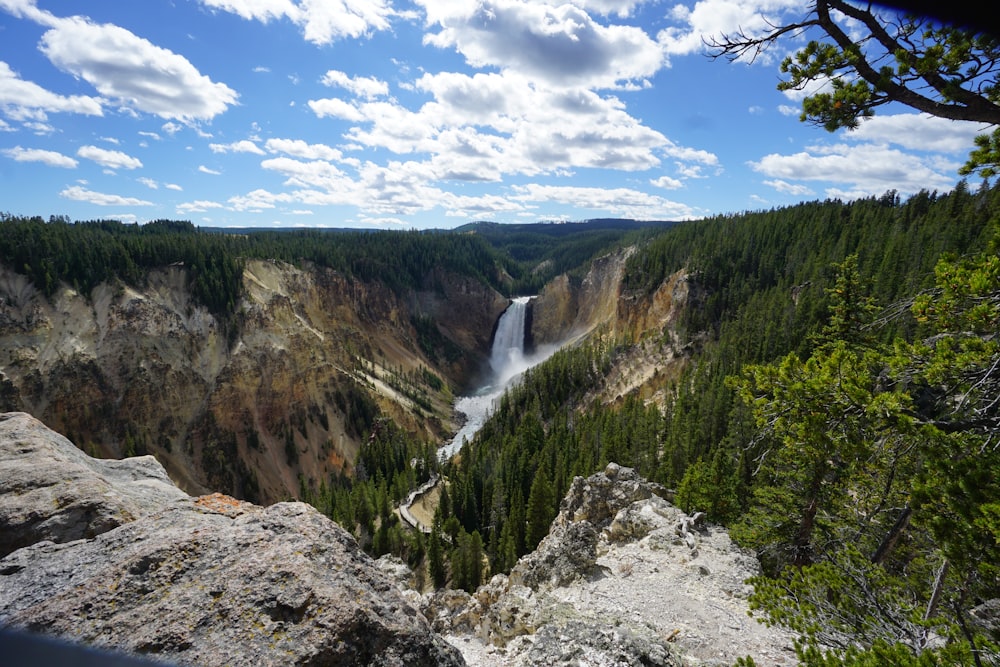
(435, 559)
(540, 510)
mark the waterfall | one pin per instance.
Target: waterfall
(507, 354)
(507, 361)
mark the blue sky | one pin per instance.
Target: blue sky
(400, 114)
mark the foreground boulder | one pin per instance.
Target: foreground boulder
(204, 581)
(50, 490)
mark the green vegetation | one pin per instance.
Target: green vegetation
(838, 412)
(85, 254)
(541, 252)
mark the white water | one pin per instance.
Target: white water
(508, 362)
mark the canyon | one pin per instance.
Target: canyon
(280, 395)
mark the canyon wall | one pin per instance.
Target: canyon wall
(282, 392)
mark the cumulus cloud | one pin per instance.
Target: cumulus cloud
(197, 206)
(134, 72)
(863, 170)
(301, 149)
(50, 158)
(78, 193)
(109, 159)
(561, 45)
(919, 132)
(335, 107)
(211, 172)
(315, 173)
(367, 87)
(787, 188)
(667, 183)
(483, 126)
(22, 100)
(244, 146)
(126, 69)
(711, 19)
(621, 8)
(321, 21)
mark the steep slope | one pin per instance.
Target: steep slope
(599, 307)
(282, 393)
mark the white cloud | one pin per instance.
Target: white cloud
(710, 19)
(620, 7)
(243, 146)
(367, 87)
(205, 170)
(173, 186)
(171, 128)
(336, 108)
(483, 126)
(315, 173)
(789, 188)
(78, 193)
(866, 169)
(919, 132)
(149, 183)
(151, 135)
(560, 45)
(109, 159)
(258, 200)
(127, 69)
(322, 21)
(624, 202)
(22, 100)
(198, 206)
(667, 183)
(50, 158)
(301, 149)
(484, 206)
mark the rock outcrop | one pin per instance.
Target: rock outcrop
(623, 578)
(50, 490)
(128, 563)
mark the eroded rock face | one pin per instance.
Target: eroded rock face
(284, 389)
(201, 581)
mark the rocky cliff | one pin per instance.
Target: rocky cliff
(598, 306)
(112, 555)
(282, 392)
(623, 578)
